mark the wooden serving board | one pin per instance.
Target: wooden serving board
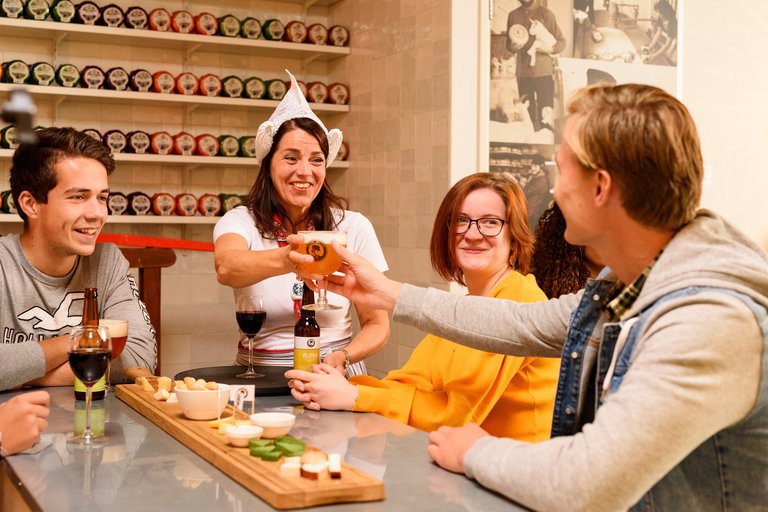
(260, 477)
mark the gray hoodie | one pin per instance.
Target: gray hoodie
(697, 370)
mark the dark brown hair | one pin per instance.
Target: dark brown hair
(262, 200)
(558, 266)
(647, 141)
(34, 167)
(442, 248)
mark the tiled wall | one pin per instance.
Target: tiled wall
(397, 131)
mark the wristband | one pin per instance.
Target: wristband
(347, 357)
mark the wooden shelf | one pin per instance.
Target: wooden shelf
(134, 219)
(184, 160)
(151, 38)
(192, 100)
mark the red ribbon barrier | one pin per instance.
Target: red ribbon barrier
(151, 241)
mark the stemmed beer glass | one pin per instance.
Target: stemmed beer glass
(250, 318)
(318, 245)
(90, 349)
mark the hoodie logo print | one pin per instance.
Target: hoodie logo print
(60, 318)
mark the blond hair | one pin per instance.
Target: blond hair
(646, 139)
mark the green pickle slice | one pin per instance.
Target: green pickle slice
(259, 443)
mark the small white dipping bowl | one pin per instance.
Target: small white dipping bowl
(241, 434)
(202, 405)
(275, 424)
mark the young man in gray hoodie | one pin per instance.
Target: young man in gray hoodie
(60, 189)
(662, 402)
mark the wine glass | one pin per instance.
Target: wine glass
(89, 349)
(318, 245)
(118, 330)
(250, 317)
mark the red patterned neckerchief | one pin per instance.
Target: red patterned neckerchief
(297, 287)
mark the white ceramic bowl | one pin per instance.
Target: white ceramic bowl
(201, 405)
(240, 435)
(275, 424)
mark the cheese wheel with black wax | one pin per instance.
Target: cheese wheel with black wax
(317, 92)
(317, 34)
(111, 16)
(15, 72)
(343, 151)
(338, 94)
(92, 77)
(41, 73)
(117, 203)
(138, 142)
(207, 145)
(141, 80)
(159, 19)
(206, 24)
(187, 83)
(163, 82)
(182, 22)
(210, 85)
(254, 88)
(275, 89)
(229, 26)
(36, 9)
(136, 17)
(338, 36)
(163, 204)
(115, 140)
(139, 203)
(295, 32)
(228, 145)
(67, 75)
(250, 28)
(9, 137)
(161, 143)
(272, 30)
(63, 11)
(209, 205)
(94, 133)
(231, 87)
(87, 13)
(184, 144)
(186, 205)
(116, 79)
(12, 8)
(247, 146)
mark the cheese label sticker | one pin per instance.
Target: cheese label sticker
(89, 13)
(183, 21)
(254, 89)
(187, 204)
(211, 86)
(139, 142)
(275, 29)
(229, 146)
(38, 9)
(112, 16)
(230, 26)
(119, 79)
(65, 11)
(165, 83)
(233, 88)
(251, 29)
(117, 204)
(137, 18)
(68, 75)
(211, 206)
(18, 71)
(141, 205)
(161, 19)
(12, 8)
(165, 204)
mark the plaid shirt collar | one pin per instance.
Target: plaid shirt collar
(619, 299)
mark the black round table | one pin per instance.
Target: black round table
(272, 384)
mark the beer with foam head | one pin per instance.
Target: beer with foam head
(118, 329)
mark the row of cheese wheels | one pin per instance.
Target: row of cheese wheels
(89, 13)
(163, 143)
(165, 204)
(141, 80)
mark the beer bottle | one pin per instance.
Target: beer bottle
(306, 335)
(91, 319)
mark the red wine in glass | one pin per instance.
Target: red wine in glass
(89, 365)
(250, 317)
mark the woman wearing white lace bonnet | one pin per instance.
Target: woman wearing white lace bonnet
(291, 194)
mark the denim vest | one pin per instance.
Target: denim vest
(728, 472)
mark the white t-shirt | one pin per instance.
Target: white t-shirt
(277, 332)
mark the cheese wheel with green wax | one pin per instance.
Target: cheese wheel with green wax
(231, 87)
(250, 28)
(272, 30)
(228, 145)
(275, 89)
(254, 88)
(15, 72)
(36, 9)
(63, 11)
(247, 146)
(67, 75)
(11, 8)
(41, 73)
(229, 26)
(8, 137)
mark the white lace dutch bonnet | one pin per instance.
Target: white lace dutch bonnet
(292, 106)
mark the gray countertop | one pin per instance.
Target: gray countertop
(142, 468)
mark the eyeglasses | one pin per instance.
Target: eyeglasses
(487, 226)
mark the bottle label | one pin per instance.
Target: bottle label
(99, 386)
(306, 353)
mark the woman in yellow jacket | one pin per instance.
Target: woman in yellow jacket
(480, 239)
